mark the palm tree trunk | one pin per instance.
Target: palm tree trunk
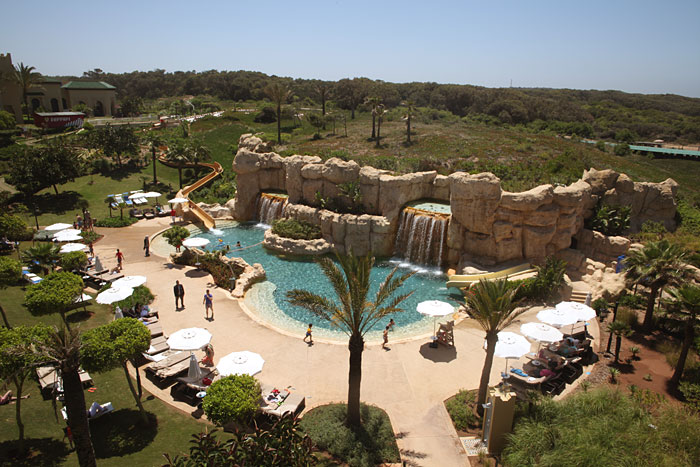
(77, 417)
(279, 124)
(610, 336)
(4, 318)
(379, 128)
(55, 188)
(687, 343)
(352, 114)
(19, 383)
(153, 151)
(649, 315)
(408, 129)
(374, 120)
(491, 339)
(356, 347)
(144, 417)
(179, 174)
(618, 342)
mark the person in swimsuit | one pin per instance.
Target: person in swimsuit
(208, 304)
(308, 334)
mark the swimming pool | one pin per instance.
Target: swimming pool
(268, 299)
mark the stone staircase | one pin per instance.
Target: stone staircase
(579, 296)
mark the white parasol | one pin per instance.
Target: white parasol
(583, 312)
(112, 295)
(189, 339)
(118, 314)
(98, 264)
(67, 232)
(240, 363)
(70, 247)
(556, 317)
(195, 372)
(59, 226)
(435, 308)
(541, 332)
(178, 200)
(129, 282)
(67, 238)
(151, 194)
(195, 242)
(510, 345)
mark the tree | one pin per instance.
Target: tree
(62, 348)
(619, 329)
(154, 141)
(317, 121)
(114, 141)
(351, 93)
(410, 110)
(687, 297)
(7, 120)
(179, 155)
(55, 294)
(73, 261)
(379, 111)
(355, 315)
(12, 227)
(10, 274)
(175, 235)
(26, 78)
(493, 305)
(131, 106)
(232, 398)
(324, 91)
(42, 257)
(656, 265)
(58, 163)
(373, 102)
(115, 344)
(18, 360)
(279, 94)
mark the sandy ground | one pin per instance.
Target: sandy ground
(410, 381)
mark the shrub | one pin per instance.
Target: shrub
(610, 220)
(460, 409)
(374, 444)
(14, 228)
(266, 115)
(142, 296)
(73, 261)
(115, 222)
(627, 316)
(232, 398)
(691, 393)
(632, 301)
(175, 235)
(296, 229)
(601, 306)
(545, 285)
(89, 236)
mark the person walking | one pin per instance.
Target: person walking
(208, 304)
(179, 292)
(173, 213)
(147, 245)
(120, 259)
(308, 334)
(91, 249)
(385, 335)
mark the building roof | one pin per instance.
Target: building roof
(51, 81)
(93, 85)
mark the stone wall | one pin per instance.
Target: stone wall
(487, 223)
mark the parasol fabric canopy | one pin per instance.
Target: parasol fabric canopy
(240, 363)
(435, 308)
(189, 339)
(70, 247)
(195, 242)
(129, 281)
(541, 332)
(195, 372)
(557, 317)
(67, 232)
(151, 194)
(511, 345)
(583, 312)
(112, 295)
(59, 226)
(178, 200)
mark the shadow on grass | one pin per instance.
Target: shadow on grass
(439, 354)
(60, 203)
(79, 316)
(38, 452)
(122, 433)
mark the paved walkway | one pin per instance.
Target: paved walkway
(410, 381)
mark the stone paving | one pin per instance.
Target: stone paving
(410, 381)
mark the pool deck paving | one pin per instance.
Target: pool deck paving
(410, 381)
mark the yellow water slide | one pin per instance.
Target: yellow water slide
(466, 280)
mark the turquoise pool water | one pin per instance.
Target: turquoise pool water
(268, 299)
(431, 206)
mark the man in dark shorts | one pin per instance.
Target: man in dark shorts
(179, 292)
(208, 304)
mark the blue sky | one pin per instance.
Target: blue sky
(634, 46)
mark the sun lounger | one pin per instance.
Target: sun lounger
(149, 214)
(95, 411)
(49, 377)
(170, 366)
(158, 345)
(136, 213)
(286, 402)
(155, 328)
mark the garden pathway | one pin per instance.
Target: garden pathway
(410, 381)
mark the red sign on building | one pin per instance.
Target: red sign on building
(59, 119)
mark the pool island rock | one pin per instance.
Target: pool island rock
(487, 225)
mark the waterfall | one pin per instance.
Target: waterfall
(270, 207)
(421, 236)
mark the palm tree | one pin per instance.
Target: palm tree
(619, 329)
(687, 297)
(657, 265)
(109, 200)
(373, 102)
(25, 77)
(178, 154)
(324, 92)
(355, 315)
(154, 141)
(279, 94)
(42, 256)
(379, 111)
(410, 110)
(62, 348)
(493, 305)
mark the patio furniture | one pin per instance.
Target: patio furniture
(155, 328)
(95, 411)
(576, 330)
(158, 345)
(136, 213)
(445, 334)
(49, 378)
(282, 403)
(149, 214)
(170, 366)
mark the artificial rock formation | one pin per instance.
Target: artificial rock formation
(291, 246)
(488, 224)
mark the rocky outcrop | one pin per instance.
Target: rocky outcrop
(296, 247)
(600, 247)
(249, 276)
(216, 210)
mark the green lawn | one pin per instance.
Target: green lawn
(117, 438)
